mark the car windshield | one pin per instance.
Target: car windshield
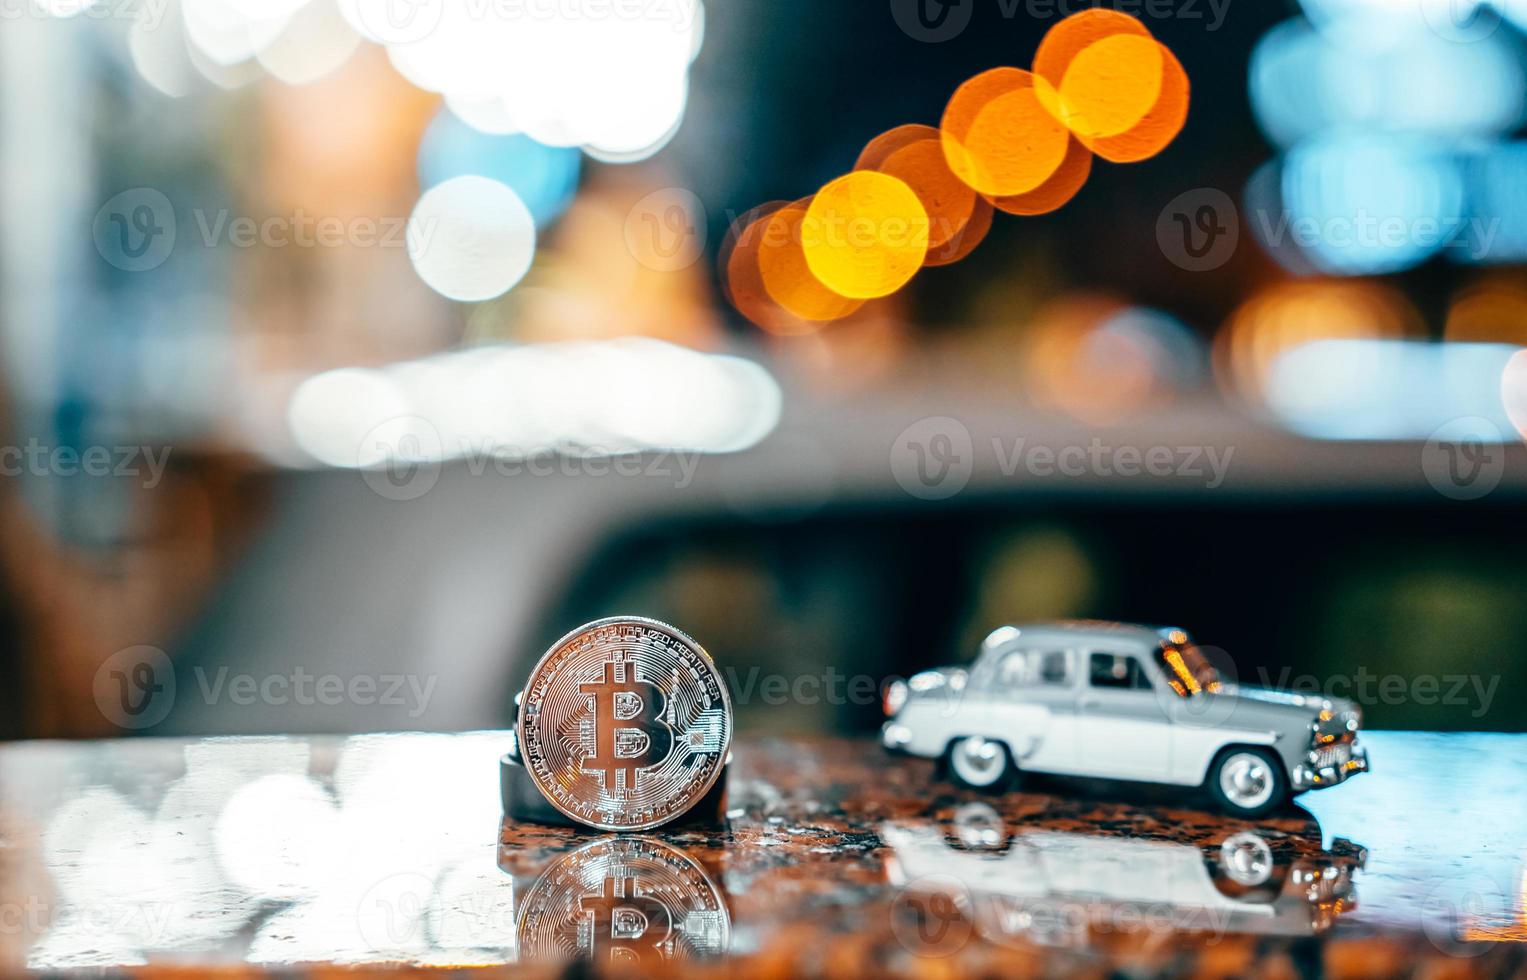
(1187, 669)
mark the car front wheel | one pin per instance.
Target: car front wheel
(1249, 782)
(980, 763)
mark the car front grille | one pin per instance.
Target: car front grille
(1333, 755)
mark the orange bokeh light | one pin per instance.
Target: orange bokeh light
(948, 200)
(865, 234)
(1068, 366)
(1159, 126)
(1069, 38)
(742, 281)
(1110, 85)
(998, 137)
(1010, 140)
(1125, 95)
(787, 278)
(962, 244)
(1493, 311)
(1291, 314)
(1055, 192)
(888, 142)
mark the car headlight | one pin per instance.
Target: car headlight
(895, 697)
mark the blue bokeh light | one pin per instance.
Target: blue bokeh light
(545, 177)
(1389, 389)
(1497, 206)
(1361, 204)
(1304, 81)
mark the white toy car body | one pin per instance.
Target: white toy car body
(1121, 702)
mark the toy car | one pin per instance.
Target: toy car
(1121, 702)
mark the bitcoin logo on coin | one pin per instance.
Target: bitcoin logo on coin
(625, 724)
(630, 733)
(624, 900)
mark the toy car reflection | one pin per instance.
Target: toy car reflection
(1060, 887)
(1121, 702)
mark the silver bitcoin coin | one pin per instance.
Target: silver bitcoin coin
(625, 724)
(623, 900)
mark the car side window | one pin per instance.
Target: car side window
(1033, 668)
(1117, 671)
(1055, 668)
(1014, 670)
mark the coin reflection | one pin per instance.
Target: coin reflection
(632, 900)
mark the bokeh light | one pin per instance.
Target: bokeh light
(1390, 389)
(1160, 124)
(1366, 204)
(742, 280)
(965, 241)
(1304, 81)
(1490, 312)
(1513, 393)
(865, 235)
(1110, 85)
(601, 398)
(786, 276)
(1496, 202)
(1119, 90)
(1061, 187)
(1291, 314)
(544, 177)
(878, 149)
(1101, 361)
(1008, 140)
(315, 42)
(997, 136)
(1073, 35)
(471, 238)
(949, 201)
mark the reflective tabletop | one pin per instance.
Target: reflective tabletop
(389, 850)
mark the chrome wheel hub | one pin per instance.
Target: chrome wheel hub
(978, 761)
(1246, 780)
(1246, 858)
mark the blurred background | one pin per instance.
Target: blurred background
(352, 351)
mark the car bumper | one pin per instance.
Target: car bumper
(895, 736)
(1308, 775)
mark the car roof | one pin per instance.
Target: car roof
(1080, 630)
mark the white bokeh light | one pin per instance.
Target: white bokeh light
(471, 238)
(331, 414)
(315, 42)
(588, 398)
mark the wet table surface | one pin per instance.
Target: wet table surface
(387, 851)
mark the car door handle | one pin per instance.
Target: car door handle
(1088, 704)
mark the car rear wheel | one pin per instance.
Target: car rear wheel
(1249, 782)
(981, 763)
